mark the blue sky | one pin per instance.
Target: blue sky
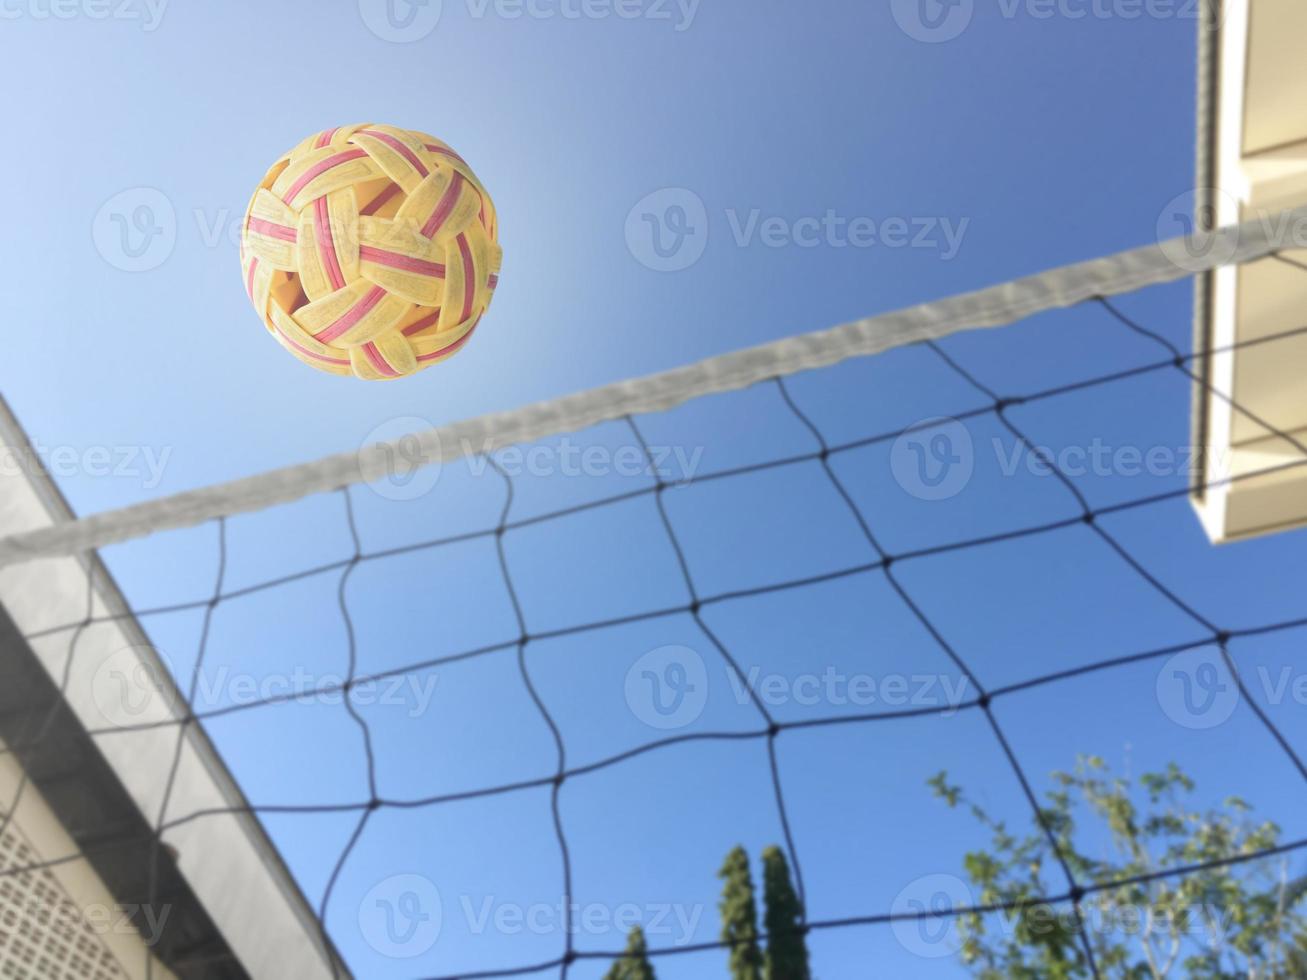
(1022, 143)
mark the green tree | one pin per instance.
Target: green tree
(1231, 922)
(787, 947)
(740, 917)
(634, 965)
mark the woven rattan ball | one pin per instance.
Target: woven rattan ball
(371, 250)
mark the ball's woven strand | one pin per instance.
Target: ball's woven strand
(371, 250)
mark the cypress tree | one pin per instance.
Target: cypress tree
(740, 917)
(787, 946)
(635, 964)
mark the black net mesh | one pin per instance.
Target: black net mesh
(700, 594)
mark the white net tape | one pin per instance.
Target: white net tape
(992, 307)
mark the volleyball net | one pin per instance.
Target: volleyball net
(828, 470)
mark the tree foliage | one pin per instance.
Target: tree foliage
(634, 965)
(1226, 922)
(787, 946)
(740, 917)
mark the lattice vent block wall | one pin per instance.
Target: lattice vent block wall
(43, 934)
